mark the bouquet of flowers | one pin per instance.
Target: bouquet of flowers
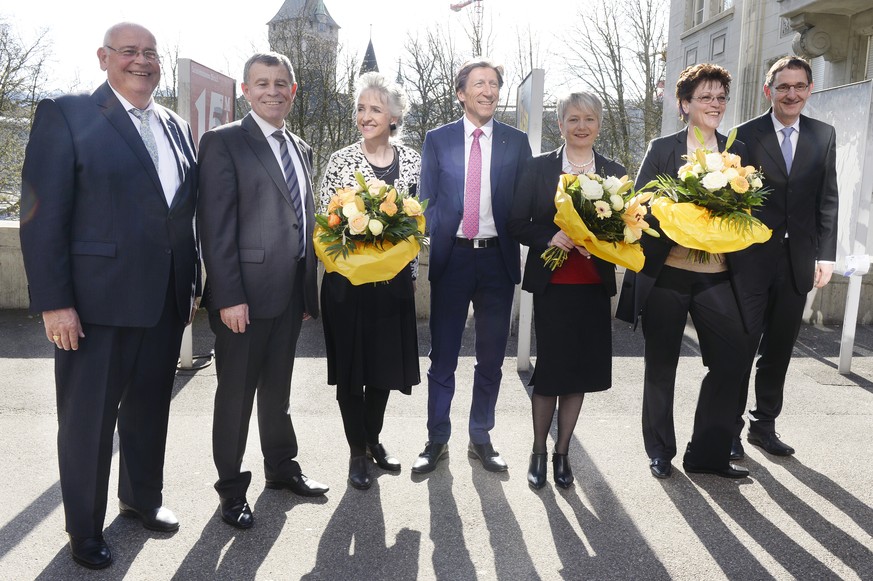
(603, 215)
(369, 232)
(708, 207)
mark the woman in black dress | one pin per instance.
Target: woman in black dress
(571, 305)
(370, 329)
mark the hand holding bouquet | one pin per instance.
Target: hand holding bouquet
(373, 227)
(603, 215)
(708, 206)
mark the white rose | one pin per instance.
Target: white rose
(714, 181)
(375, 227)
(697, 169)
(612, 184)
(358, 223)
(591, 190)
(730, 173)
(714, 162)
(350, 210)
(617, 202)
(756, 183)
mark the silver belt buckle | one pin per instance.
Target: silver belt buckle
(479, 243)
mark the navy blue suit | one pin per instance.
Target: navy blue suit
(461, 275)
(98, 236)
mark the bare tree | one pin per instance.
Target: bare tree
(429, 78)
(168, 91)
(22, 81)
(617, 51)
(323, 109)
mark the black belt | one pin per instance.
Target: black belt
(477, 242)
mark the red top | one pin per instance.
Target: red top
(576, 270)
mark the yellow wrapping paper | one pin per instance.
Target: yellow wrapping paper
(693, 227)
(368, 263)
(621, 253)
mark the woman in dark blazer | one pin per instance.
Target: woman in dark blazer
(673, 285)
(571, 304)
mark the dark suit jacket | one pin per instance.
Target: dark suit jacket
(664, 157)
(532, 220)
(96, 231)
(804, 204)
(248, 224)
(442, 182)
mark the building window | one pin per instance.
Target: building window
(718, 43)
(691, 56)
(699, 11)
(869, 73)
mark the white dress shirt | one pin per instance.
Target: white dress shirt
(168, 165)
(268, 130)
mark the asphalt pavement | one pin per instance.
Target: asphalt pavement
(807, 516)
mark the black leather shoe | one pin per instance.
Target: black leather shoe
(770, 442)
(737, 451)
(358, 476)
(490, 458)
(536, 472)
(156, 519)
(236, 512)
(91, 552)
(382, 458)
(729, 471)
(299, 484)
(562, 472)
(660, 468)
(427, 460)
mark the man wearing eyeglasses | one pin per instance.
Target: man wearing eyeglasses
(109, 189)
(798, 158)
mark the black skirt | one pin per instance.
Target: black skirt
(574, 340)
(370, 333)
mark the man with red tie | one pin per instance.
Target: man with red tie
(469, 169)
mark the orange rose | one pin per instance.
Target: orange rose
(333, 220)
(389, 208)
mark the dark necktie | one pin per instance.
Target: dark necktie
(293, 187)
(786, 147)
(473, 188)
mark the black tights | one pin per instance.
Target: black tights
(543, 407)
(363, 416)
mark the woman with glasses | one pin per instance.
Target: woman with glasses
(672, 285)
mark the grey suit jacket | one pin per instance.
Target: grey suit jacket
(247, 222)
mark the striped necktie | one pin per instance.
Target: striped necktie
(293, 187)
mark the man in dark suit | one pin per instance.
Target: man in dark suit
(798, 158)
(469, 170)
(108, 195)
(256, 215)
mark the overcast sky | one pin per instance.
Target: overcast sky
(222, 38)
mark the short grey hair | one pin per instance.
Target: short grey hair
(271, 59)
(583, 100)
(391, 93)
(477, 63)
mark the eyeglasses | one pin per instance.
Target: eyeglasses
(707, 99)
(132, 53)
(798, 88)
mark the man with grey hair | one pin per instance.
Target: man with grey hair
(469, 169)
(109, 187)
(255, 215)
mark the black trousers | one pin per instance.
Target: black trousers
(711, 302)
(363, 417)
(259, 361)
(123, 375)
(782, 306)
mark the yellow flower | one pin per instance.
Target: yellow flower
(740, 185)
(334, 204)
(358, 223)
(731, 160)
(376, 188)
(389, 208)
(602, 209)
(411, 207)
(350, 209)
(375, 227)
(346, 195)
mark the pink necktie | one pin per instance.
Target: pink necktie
(473, 188)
